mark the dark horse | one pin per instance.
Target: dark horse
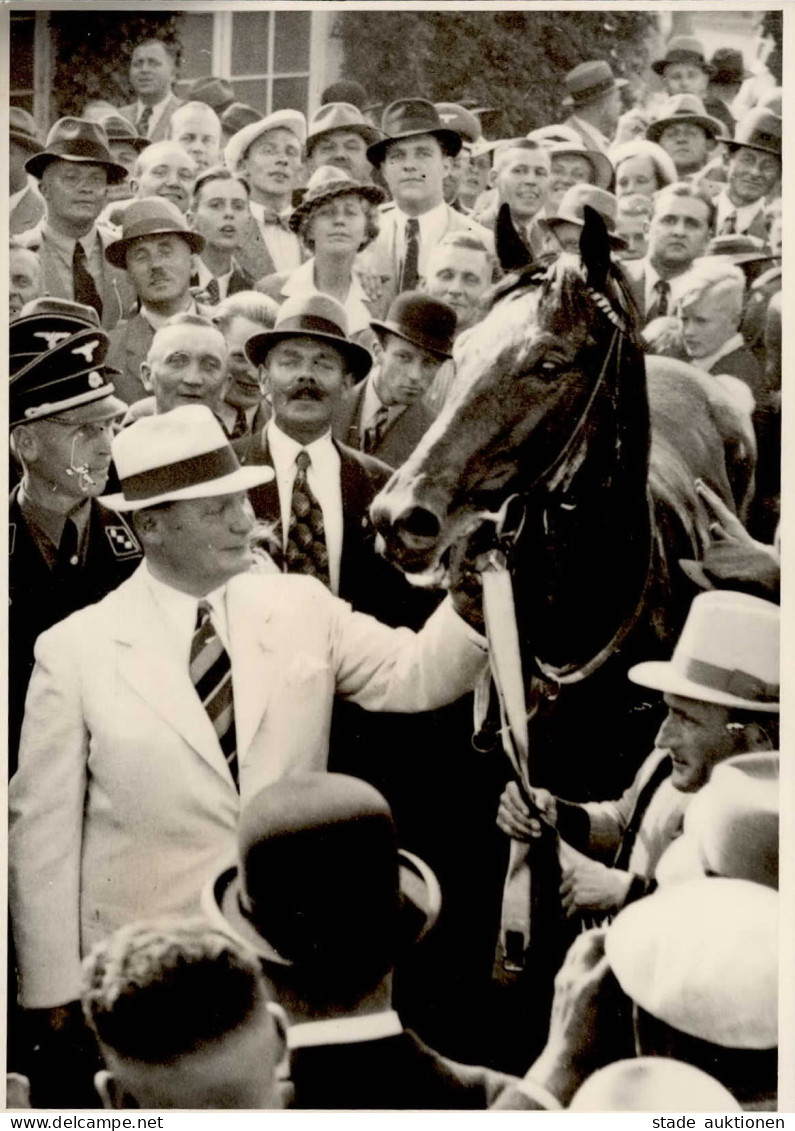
(591, 460)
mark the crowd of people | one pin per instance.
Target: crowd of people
(246, 819)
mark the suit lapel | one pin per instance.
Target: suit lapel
(253, 657)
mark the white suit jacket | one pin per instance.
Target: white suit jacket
(123, 804)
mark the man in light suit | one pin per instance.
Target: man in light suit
(414, 158)
(593, 95)
(130, 784)
(153, 67)
(754, 173)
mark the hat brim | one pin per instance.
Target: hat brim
(710, 125)
(116, 252)
(37, 164)
(368, 133)
(25, 140)
(359, 359)
(568, 100)
(451, 141)
(242, 140)
(420, 905)
(661, 675)
(732, 146)
(371, 193)
(138, 143)
(659, 65)
(601, 165)
(618, 243)
(401, 332)
(241, 480)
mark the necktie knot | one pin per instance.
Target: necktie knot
(203, 613)
(303, 460)
(144, 120)
(411, 263)
(271, 216)
(663, 288)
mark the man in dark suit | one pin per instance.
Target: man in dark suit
(153, 68)
(219, 213)
(385, 414)
(25, 206)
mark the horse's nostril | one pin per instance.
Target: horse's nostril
(419, 523)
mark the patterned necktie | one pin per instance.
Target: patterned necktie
(211, 675)
(144, 120)
(729, 225)
(411, 263)
(85, 289)
(213, 292)
(240, 427)
(374, 432)
(271, 216)
(306, 550)
(663, 289)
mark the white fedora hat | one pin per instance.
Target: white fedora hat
(239, 143)
(181, 454)
(728, 653)
(652, 1083)
(702, 957)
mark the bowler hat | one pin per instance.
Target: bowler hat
(218, 93)
(22, 129)
(326, 182)
(426, 322)
(411, 117)
(727, 653)
(728, 68)
(685, 108)
(120, 130)
(311, 316)
(320, 883)
(590, 81)
(571, 210)
(464, 121)
(181, 454)
(683, 49)
(759, 129)
(702, 957)
(150, 216)
(80, 142)
(339, 116)
(239, 144)
(238, 115)
(601, 166)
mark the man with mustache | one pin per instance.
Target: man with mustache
(155, 247)
(754, 174)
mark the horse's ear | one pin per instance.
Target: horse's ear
(595, 248)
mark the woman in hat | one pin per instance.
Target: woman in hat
(336, 219)
(641, 167)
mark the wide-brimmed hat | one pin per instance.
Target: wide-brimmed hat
(685, 108)
(410, 117)
(728, 653)
(683, 49)
(326, 182)
(589, 81)
(739, 248)
(239, 144)
(312, 316)
(702, 956)
(23, 130)
(728, 67)
(339, 116)
(465, 122)
(80, 142)
(571, 210)
(759, 129)
(426, 322)
(58, 365)
(555, 135)
(119, 129)
(238, 115)
(600, 164)
(217, 93)
(181, 454)
(320, 884)
(150, 216)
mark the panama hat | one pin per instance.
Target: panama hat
(150, 216)
(571, 210)
(590, 81)
(426, 322)
(311, 316)
(320, 883)
(683, 49)
(601, 165)
(686, 108)
(181, 454)
(652, 1083)
(702, 957)
(325, 183)
(411, 117)
(22, 129)
(339, 116)
(759, 129)
(239, 144)
(728, 653)
(79, 142)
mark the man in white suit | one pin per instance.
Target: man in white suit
(414, 157)
(130, 784)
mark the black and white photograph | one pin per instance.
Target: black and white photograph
(394, 559)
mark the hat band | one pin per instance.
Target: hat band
(81, 147)
(154, 225)
(772, 141)
(189, 472)
(731, 680)
(312, 323)
(592, 91)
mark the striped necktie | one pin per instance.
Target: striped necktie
(374, 432)
(211, 675)
(144, 120)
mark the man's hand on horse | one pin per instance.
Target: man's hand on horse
(590, 886)
(515, 818)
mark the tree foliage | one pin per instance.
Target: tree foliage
(514, 61)
(92, 53)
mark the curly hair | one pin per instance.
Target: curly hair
(371, 228)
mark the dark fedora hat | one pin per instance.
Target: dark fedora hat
(424, 321)
(118, 129)
(571, 210)
(79, 141)
(589, 81)
(339, 116)
(683, 49)
(311, 316)
(320, 884)
(759, 129)
(326, 182)
(150, 216)
(215, 92)
(22, 129)
(410, 117)
(728, 67)
(238, 115)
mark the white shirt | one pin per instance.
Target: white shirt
(678, 285)
(433, 225)
(62, 248)
(744, 215)
(344, 1030)
(302, 282)
(323, 476)
(179, 611)
(205, 275)
(157, 113)
(283, 247)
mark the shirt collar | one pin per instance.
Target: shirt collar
(284, 448)
(728, 347)
(344, 1030)
(157, 109)
(428, 220)
(66, 244)
(745, 213)
(51, 523)
(258, 211)
(156, 320)
(205, 274)
(180, 609)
